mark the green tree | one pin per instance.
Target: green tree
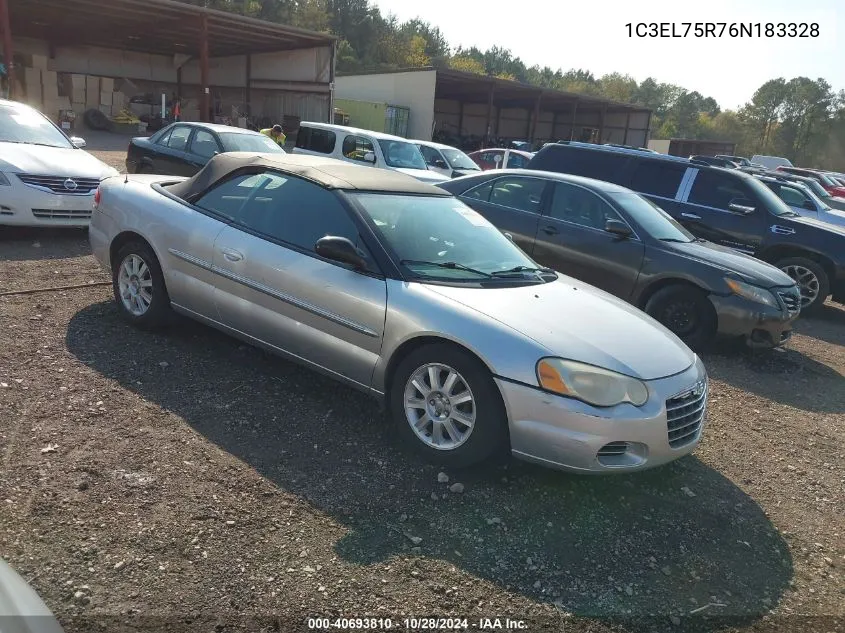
(467, 64)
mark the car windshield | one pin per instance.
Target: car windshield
(402, 154)
(237, 142)
(458, 160)
(654, 220)
(20, 124)
(441, 238)
(770, 199)
(817, 189)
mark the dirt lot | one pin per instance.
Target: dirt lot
(185, 481)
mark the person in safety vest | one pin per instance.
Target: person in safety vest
(276, 134)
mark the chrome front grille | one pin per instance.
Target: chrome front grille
(685, 415)
(792, 301)
(62, 214)
(61, 184)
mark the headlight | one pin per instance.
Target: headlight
(593, 385)
(752, 293)
(4, 182)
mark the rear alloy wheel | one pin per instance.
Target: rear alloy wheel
(686, 312)
(138, 286)
(813, 283)
(447, 407)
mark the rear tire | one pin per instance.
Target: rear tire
(138, 285)
(686, 312)
(458, 418)
(812, 280)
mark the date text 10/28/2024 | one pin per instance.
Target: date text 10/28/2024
(416, 624)
(722, 29)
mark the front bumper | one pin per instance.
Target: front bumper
(22, 205)
(570, 435)
(762, 326)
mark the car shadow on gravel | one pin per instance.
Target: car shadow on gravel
(782, 375)
(34, 244)
(640, 550)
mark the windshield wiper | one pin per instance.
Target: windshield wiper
(675, 239)
(449, 265)
(522, 269)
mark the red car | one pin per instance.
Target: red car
(830, 185)
(499, 158)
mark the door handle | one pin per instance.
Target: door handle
(691, 216)
(231, 255)
(550, 230)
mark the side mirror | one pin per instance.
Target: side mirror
(78, 142)
(370, 157)
(618, 228)
(509, 236)
(440, 163)
(809, 205)
(340, 249)
(742, 206)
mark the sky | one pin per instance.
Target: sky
(592, 35)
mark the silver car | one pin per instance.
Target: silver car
(400, 290)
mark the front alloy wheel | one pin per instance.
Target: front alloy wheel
(439, 406)
(808, 283)
(445, 405)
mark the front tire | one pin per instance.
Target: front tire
(138, 285)
(686, 312)
(446, 406)
(813, 282)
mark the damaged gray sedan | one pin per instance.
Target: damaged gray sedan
(398, 289)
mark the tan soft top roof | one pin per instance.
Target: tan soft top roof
(327, 172)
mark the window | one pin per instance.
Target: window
(481, 192)
(791, 196)
(242, 142)
(580, 206)
(657, 179)
(204, 144)
(282, 207)
(316, 139)
(713, 189)
(516, 192)
(590, 163)
(516, 161)
(22, 124)
(430, 154)
(402, 154)
(179, 138)
(356, 147)
(164, 138)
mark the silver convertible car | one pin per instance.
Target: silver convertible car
(397, 288)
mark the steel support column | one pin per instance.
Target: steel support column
(8, 58)
(627, 126)
(487, 133)
(532, 135)
(554, 127)
(248, 86)
(572, 125)
(601, 124)
(460, 118)
(205, 95)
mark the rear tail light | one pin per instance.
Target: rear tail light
(97, 197)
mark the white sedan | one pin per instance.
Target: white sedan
(45, 178)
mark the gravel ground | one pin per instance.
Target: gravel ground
(184, 481)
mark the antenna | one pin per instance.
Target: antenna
(126, 180)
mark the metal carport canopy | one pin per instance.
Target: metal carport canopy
(165, 27)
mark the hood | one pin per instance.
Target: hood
(579, 322)
(749, 269)
(818, 224)
(426, 175)
(20, 606)
(18, 158)
(833, 216)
